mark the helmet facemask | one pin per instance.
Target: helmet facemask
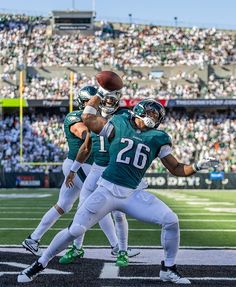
(150, 112)
(110, 103)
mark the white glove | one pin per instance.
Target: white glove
(101, 93)
(205, 163)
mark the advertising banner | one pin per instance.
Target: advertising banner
(202, 103)
(12, 103)
(13, 180)
(197, 181)
(132, 102)
(48, 103)
(129, 103)
(155, 180)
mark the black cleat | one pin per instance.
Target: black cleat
(170, 274)
(29, 274)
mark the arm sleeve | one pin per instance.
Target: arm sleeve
(164, 151)
(165, 143)
(107, 130)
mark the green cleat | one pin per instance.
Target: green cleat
(122, 259)
(71, 255)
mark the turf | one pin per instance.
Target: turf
(207, 218)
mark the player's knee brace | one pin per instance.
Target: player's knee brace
(76, 229)
(171, 223)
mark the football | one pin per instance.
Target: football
(109, 81)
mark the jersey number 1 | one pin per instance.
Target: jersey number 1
(140, 158)
(102, 144)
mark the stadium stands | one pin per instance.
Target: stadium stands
(168, 63)
(136, 52)
(193, 135)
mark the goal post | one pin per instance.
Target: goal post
(21, 87)
(21, 115)
(71, 91)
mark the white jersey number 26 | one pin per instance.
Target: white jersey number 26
(140, 158)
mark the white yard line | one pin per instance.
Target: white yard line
(23, 207)
(21, 212)
(170, 205)
(20, 265)
(3, 246)
(219, 213)
(209, 203)
(23, 195)
(130, 229)
(110, 271)
(133, 220)
(220, 209)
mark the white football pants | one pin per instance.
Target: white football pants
(138, 204)
(117, 234)
(67, 197)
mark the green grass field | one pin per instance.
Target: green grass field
(207, 218)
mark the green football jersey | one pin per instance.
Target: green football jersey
(132, 152)
(73, 141)
(101, 145)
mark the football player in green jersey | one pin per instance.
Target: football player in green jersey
(135, 143)
(77, 136)
(118, 235)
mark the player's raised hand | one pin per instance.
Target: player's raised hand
(109, 83)
(205, 163)
(69, 179)
(102, 92)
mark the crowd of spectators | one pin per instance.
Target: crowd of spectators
(25, 41)
(43, 141)
(194, 136)
(15, 35)
(12, 21)
(59, 88)
(202, 135)
(224, 88)
(136, 45)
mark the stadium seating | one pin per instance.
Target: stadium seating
(169, 63)
(193, 136)
(188, 59)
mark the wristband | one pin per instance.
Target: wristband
(100, 95)
(90, 110)
(195, 167)
(75, 166)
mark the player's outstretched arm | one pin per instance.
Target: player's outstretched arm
(83, 153)
(91, 119)
(175, 167)
(180, 169)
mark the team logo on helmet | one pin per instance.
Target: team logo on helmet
(84, 95)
